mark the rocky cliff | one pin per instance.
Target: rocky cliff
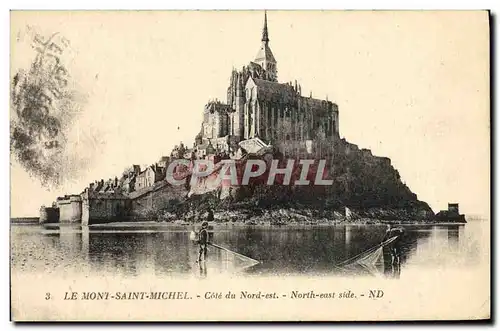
(367, 185)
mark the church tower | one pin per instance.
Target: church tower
(265, 57)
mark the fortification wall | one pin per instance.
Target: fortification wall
(70, 209)
(154, 201)
(49, 215)
(104, 207)
(104, 210)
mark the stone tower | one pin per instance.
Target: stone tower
(265, 57)
(239, 107)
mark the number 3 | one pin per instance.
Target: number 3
(47, 296)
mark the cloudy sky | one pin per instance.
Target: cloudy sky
(412, 86)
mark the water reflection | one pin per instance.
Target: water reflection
(392, 270)
(454, 235)
(203, 269)
(166, 250)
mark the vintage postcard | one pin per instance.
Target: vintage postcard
(250, 165)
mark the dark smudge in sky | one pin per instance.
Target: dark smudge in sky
(45, 106)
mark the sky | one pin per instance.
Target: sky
(411, 86)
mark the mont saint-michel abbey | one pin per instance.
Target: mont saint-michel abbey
(260, 109)
(261, 117)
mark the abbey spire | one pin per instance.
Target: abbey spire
(265, 35)
(265, 57)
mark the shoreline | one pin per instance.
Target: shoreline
(154, 224)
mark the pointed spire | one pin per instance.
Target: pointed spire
(265, 36)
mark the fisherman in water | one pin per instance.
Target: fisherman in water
(203, 241)
(394, 246)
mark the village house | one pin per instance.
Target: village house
(128, 184)
(150, 176)
(163, 162)
(178, 151)
(203, 150)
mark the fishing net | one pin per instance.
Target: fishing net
(221, 260)
(371, 260)
(234, 261)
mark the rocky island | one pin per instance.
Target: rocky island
(267, 121)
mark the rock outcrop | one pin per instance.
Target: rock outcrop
(366, 184)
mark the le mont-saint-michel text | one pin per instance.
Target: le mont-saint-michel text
(242, 295)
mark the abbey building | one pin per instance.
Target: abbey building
(259, 106)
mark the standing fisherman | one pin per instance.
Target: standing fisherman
(203, 241)
(395, 246)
